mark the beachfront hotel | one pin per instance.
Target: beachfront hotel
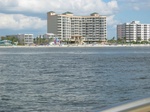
(77, 28)
(134, 31)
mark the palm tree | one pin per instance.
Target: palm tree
(119, 40)
(124, 39)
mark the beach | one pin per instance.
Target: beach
(89, 45)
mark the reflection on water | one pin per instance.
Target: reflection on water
(71, 79)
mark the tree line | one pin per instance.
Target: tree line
(42, 41)
(123, 40)
(13, 39)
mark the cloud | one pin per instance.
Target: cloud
(111, 21)
(19, 21)
(43, 6)
(18, 14)
(8, 3)
(136, 8)
(135, 4)
(78, 7)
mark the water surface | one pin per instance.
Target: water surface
(71, 79)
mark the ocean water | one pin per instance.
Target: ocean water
(72, 79)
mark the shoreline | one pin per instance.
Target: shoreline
(66, 46)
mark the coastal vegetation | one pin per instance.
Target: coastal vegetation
(42, 41)
(124, 41)
(46, 41)
(13, 39)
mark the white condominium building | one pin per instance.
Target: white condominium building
(134, 31)
(67, 26)
(26, 39)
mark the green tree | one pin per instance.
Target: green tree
(138, 40)
(111, 41)
(3, 38)
(119, 40)
(51, 39)
(124, 39)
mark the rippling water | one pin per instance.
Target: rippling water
(71, 79)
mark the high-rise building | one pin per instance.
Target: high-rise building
(134, 31)
(67, 26)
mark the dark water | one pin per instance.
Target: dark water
(71, 79)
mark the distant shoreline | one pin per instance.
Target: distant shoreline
(63, 46)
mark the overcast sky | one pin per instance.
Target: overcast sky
(29, 16)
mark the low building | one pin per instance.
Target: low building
(26, 39)
(49, 36)
(5, 43)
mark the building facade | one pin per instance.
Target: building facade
(5, 43)
(87, 28)
(25, 39)
(134, 31)
(49, 36)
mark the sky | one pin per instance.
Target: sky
(30, 16)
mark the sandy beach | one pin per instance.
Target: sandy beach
(89, 45)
